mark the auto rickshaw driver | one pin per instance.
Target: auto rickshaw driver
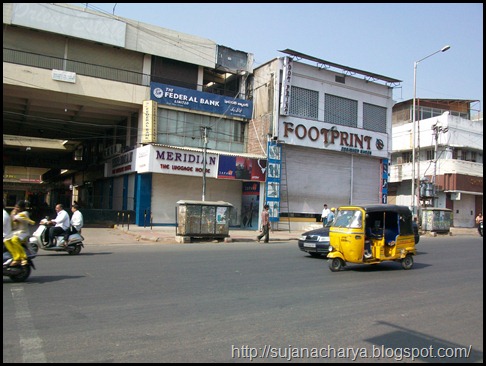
(371, 234)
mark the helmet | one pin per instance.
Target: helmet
(333, 209)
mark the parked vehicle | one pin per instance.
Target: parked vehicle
(371, 234)
(37, 241)
(315, 242)
(18, 273)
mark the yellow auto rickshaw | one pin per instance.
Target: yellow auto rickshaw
(371, 234)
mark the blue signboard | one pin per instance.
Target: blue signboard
(384, 180)
(200, 101)
(273, 179)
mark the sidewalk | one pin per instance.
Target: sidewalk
(167, 234)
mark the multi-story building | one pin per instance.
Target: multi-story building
(330, 126)
(448, 171)
(135, 117)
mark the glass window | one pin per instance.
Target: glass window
(348, 219)
(426, 113)
(184, 129)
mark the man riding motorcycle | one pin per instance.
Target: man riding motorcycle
(21, 232)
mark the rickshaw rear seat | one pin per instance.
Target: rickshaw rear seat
(390, 235)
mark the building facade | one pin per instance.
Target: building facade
(448, 171)
(333, 131)
(145, 114)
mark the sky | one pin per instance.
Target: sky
(385, 39)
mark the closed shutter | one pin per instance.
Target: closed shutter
(366, 181)
(315, 177)
(167, 189)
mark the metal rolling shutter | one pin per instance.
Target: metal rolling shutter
(315, 177)
(366, 187)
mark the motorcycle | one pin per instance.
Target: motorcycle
(18, 273)
(37, 241)
(480, 228)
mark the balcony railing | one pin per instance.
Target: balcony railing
(101, 72)
(81, 68)
(401, 172)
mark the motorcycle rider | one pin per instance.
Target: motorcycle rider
(7, 222)
(76, 222)
(61, 224)
(479, 218)
(13, 242)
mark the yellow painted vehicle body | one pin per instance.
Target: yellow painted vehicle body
(371, 234)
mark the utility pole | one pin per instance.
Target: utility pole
(204, 130)
(437, 129)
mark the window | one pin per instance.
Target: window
(340, 111)
(430, 155)
(374, 118)
(184, 129)
(304, 103)
(407, 157)
(425, 113)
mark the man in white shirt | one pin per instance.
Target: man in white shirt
(7, 223)
(325, 213)
(76, 221)
(61, 223)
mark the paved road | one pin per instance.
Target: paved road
(131, 301)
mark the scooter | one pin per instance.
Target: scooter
(18, 273)
(72, 246)
(480, 228)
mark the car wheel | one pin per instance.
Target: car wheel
(407, 262)
(336, 264)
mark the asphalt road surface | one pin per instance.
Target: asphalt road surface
(244, 302)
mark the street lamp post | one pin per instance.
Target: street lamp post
(414, 118)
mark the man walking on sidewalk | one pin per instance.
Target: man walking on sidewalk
(265, 225)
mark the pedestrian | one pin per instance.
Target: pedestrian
(250, 215)
(61, 224)
(77, 222)
(479, 218)
(325, 214)
(265, 225)
(331, 216)
(13, 242)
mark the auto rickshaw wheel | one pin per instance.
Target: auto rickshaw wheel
(407, 262)
(336, 264)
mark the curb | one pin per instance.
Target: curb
(174, 239)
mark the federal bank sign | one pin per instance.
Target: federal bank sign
(206, 102)
(336, 138)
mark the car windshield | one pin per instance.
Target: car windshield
(348, 218)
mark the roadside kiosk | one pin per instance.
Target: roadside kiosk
(202, 219)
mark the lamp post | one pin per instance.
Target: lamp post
(414, 118)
